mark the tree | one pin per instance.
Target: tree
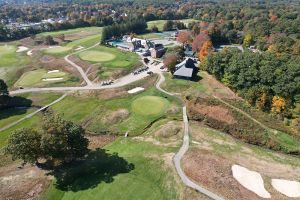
(199, 41)
(63, 140)
(205, 49)
(61, 37)
(184, 37)
(25, 144)
(247, 40)
(3, 88)
(168, 26)
(170, 62)
(59, 140)
(154, 29)
(48, 40)
(278, 104)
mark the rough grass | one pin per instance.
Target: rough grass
(149, 105)
(96, 56)
(150, 178)
(57, 50)
(160, 23)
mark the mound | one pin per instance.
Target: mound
(149, 105)
(168, 130)
(96, 56)
(116, 116)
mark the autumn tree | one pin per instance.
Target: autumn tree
(170, 62)
(199, 41)
(247, 40)
(278, 104)
(184, 37)
(205, 49)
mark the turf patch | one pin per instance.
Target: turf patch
(58, 50)
(150, 105)
(96, 56)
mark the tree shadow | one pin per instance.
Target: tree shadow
(10, 106)
(99, 166)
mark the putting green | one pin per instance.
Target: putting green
(149, 105)
(58, 50)
(96, 56)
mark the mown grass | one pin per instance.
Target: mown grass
(71, 31)
(35, 78)
(150, 178)
(160, 23)
(122, 59)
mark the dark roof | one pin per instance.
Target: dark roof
(185, 68)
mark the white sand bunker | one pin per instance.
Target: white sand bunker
(286, 187)
(250, 180)
(79, 48)
(52, 79)
(29, 53)
(21, 49)
(135, 90)
(53, 71)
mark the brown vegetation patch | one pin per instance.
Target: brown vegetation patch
(99, 141)
(216, 112)
(214, 172)
(22, 183)
(115, 116)
(47, 59)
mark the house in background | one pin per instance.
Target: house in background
(187, 69)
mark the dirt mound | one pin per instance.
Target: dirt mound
(214, 172)
(47, 59)
(168, 130)
(115, 116)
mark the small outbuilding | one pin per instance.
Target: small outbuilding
(186, 69)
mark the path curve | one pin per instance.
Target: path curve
(79, 69)
(184, 148)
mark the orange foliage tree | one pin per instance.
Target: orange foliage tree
(184, 37)
(170, 62)
(278, 104)
(205, 49)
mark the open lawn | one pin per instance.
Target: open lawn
(135, 172)
(160, 23)
(71, 31)
(110, 57)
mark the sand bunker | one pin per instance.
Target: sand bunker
(53, 71)
(21, 49)
(79, 48)
(135, 90)
(29, 53)
(52, 79)
(250, 180)
(286, 187)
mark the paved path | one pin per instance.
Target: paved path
(33, 113)
(184, 148)
(82, 73)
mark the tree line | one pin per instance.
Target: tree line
(116, 30)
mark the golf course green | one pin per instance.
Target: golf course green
(150, 105)
(96, 56)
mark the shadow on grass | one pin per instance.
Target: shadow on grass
(99, 166)
(10, 106)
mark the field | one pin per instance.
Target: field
(72, 31)
(160, 23)
(36, 77)
(110, 57)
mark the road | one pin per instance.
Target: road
(184, 148)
